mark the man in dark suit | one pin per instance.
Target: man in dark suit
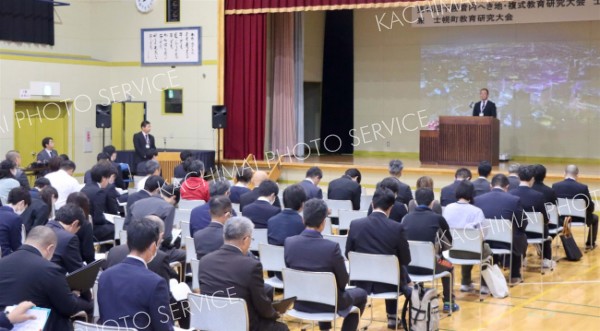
(484, 107)
(309, 251)
(346, 187)
(498, 204)
(249, 197)
(142, 142)
(111, 189)
(143, 168)
(67, 222)
(262, 209)
(404, 192)
(130, 295)
(243, 178)
(36, 213)
(229, 271)
(513, 176)
(448, 195)
(10, 223)
(99, 201)
(532, 201)
(538, 185)
(481, 184)
(311, 182)
(289, 222)
(180, 171)
(20, 176)
(210, 238)
(378, 234)
(151, 188)
(28, 274)
(48, 152)
(570, 188)
(398, 210)
(200, 216)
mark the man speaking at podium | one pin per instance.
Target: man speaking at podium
(484, 107)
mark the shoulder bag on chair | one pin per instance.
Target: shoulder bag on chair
(571, 250)
(494, 279)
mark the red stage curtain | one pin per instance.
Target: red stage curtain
(245, 85)
(283, 4)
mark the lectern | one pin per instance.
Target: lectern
(461, 140)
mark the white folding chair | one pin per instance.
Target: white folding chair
(23, 234)
(466, 240)
(365, 202)
(259, 236)
(322, 289)
(181, 215)
(336, 205)
(185, 229)
(190, 204)
(96, 313)
(574, 208)
(236, 207)
(83, 326)
(341, 240)
(194, 264)
(345, 217)
(422, 255)
(136, 180)
(190, 253)
(328, 229)
(376, 268)
(123, 237)
(176, 181)
(119, 224)
(272, 259)
(500, 230)
(535, 224)
(553, 227)
(212, 313)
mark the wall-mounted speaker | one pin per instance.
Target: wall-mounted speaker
(219, 116)
(103, 118)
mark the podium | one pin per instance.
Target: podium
(461, 140)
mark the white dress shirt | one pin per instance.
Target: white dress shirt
(64, 184)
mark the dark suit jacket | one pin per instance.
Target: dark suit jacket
(21, 177)
(208, 239)
(251, 196)
(423, 225)
(513, 182)
(10, 230)
(66, 254)
(199, 218)
(179, 172)
(286, 224)
(159, 265)
(87, 178)
(236, 192)
(103, 229)
(86, 242)
(571, 189)
(43, 156)
(259, 213)
(482, 186)
(489, 110)
(127, 289)
(548, 192)
(309, 251)
(312, 190)
(532, 201)
(448, 195)
(5, 324)
(133, 198)
(35, 214)
(227, 272)
(404, 193)
(498, 204)
(139, 144)
(344, 188)
(397, 213)
(26, 275)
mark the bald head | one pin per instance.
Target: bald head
(572, 170)
(44, 239)
(259, 177)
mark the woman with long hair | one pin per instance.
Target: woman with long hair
(425, 182)
(86, 231)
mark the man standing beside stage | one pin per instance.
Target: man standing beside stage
(142, 142)
(484, 107)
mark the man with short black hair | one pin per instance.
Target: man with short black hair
(152, 168)
(99, 201)
(538, 184)
(378, 234)
(210, 238)
(130, 295)
(20, 176)
(448, 192)
(288, 222)
(38, 185)
(142, 142)
(38, 211)
(64, 182)
(67, 222)
(48, 152)
(311, 183)
(10, 223)
(346, 187)
(180, 171)
(398, 210)
(249, 197)
(151, 188)
(200, 216)
(309, 251)
(262, 209)
(481, 184)
(243, 178)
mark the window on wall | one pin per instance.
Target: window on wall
(173, 101)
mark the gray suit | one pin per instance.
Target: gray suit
(44, 157)
(208, 239)
(156, 205)
(482, 186)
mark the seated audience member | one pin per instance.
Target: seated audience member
(462, 214)
(99, 201)
(513, 176)
(142, 168)
(8, 169)
(180, 170)
(210, 238)
(86, 232)
(130, 295)
(538, 184)
(38, 211)
(152, 169)
(249, 197)
(481, 184)
(151, 188)
(64, 157)
(499, 204)
(311, 183)
(425, 182)
(241, 186)
(111, 151)
(262, 209)
(68, 221)
(229, 271)
(49, 196)
(288, 222)
(10, 223)
(163, 206)
(20, 175)
(48, 152)
(17, 315)
(87, 177)
(532, 201)
(200, 216)
(28, 274)
(379, 234)
(309, 251)
(570, 188)
(423, 225)
(404, 192)
(346, 187)
(39, 184)
(111, 189)
(195, 187)
(64, 182)
(398, 210)
(449, 192)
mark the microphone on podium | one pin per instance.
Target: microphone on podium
(472, 104)
(165, 144)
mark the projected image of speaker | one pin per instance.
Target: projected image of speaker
(219, 116)
(103, 118)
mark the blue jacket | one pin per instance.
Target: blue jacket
(10, 230)
(286, 224)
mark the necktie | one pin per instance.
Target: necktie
(147, 140)
(483, 106)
